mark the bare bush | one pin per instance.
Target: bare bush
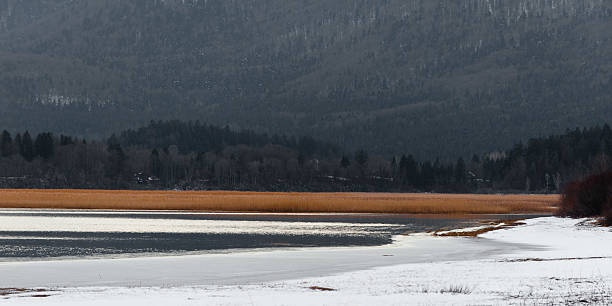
(589, 198)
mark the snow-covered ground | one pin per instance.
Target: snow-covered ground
(546, 261)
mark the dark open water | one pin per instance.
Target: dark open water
(44, 234)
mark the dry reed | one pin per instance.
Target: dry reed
(279, 202)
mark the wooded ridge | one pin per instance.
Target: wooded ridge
(435, 78)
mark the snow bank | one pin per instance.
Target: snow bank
(573, 264)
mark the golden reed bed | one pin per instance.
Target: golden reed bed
(280, 202)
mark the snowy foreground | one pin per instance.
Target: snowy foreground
(546, 261)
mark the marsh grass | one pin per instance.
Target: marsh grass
(490, 226)
(318, 288)
(229, 201)
(20, 291)
(456, 289)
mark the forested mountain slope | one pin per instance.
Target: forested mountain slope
(428, 77)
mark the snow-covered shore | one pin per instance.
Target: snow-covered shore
(547, 260)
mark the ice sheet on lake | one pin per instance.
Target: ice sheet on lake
(21, 223)
(573, 264)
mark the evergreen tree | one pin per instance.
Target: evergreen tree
(393, 167)
(345, 162)
(27, 147)
(18, 143)
(66, 140)
(427, 176)
(6, 146)
(475, 159)
(44, 145)
(403, 166)
(412, 171)
(460, 171)
(116, 159)
(361, 157)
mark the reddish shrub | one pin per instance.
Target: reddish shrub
(608, 218)
(569, 199)
(607, 213)
(591, 197)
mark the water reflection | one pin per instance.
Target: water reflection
(27, 234)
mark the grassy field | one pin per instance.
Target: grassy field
(280, 202)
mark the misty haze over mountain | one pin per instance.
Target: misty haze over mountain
(429, 77)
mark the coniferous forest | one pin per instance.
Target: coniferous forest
(421, 76)
(196, 156)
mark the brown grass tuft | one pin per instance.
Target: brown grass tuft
(492, 226)
(279, 202)
(13, 291)
(554, 259)
(317, 288)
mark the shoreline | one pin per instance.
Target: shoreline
(547, 260)
(87, 211)
(243, 268)
(382, 229)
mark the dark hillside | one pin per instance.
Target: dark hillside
(430, 77)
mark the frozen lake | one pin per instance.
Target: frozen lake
(554, 261)
(47, 234)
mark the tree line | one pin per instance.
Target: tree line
(192, 155)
